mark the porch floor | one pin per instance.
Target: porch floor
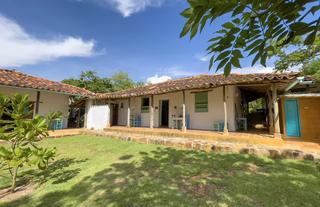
(65, 132)
(255, 137)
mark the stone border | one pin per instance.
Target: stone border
(209, 146)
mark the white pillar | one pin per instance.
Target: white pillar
(184, 127)
(276, 120)
(225, 129)
(129, 112)
(151, 112)
(108, 125)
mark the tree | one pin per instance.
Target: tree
(305, 58)
(121, 81)
(91, 81)
(255, 27)
(22, 134)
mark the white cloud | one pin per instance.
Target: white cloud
(20, 48)
(254, 69)
(127, 7)
(202, 58)
(158, 79)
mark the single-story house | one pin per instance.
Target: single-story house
(203, 102)
(300, 111)
(45, 95)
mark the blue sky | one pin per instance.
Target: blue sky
(59, 39)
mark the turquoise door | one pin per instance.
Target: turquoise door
(292, 118)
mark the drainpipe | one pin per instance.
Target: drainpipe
(296, 82)
(300, 81)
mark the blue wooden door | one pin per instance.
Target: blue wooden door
(292, 118)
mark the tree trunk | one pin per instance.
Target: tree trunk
(14, 179)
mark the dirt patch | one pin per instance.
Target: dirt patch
(252, 167)
(21, 191)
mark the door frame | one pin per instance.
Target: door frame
(160, 113)
(298, 116)
(115, 113)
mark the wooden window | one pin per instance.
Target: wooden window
(201, 102)
(145, 105)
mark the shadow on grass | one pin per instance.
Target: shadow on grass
(170, 177)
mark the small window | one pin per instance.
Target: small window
(201, 102)
(145, 105)
(121, 105)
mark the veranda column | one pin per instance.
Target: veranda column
(276, 121)
(151, 111)
(129, 112)
(184, 128)
(270, 103)
(108, 125)
(225, 129)
(37, 103)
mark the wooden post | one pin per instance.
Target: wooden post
(37, 102)
(129, 112)
(151, 112)
(270, 102)
(78, 117)
(184, 127)
(225, 129)
(276, 121)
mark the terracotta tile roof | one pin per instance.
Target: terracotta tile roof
(17, 79)
(201, 82)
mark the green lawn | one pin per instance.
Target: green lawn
(96, 171)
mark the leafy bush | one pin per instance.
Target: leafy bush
(22, 133)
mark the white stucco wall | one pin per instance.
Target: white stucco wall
(49, 102)
(97, 116)
(203, 120)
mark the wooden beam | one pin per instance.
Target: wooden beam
(184, 127)
(225, 129)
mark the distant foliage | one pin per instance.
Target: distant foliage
(256, 27)
(302, 57)
(92, 82)
(22, 134)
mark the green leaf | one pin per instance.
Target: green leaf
(254, 44)
(203, 22)
(237, 54)
(211, 62)
(223, 55)
(298, 26)
(185, 29)
(222, 63)
(187, 12)
(310, 38)
(227, 69)
(235, 62)
(238, 10)
(228, 25)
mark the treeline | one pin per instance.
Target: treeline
(92, 82)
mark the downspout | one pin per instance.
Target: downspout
(296, 82)
(300, 81)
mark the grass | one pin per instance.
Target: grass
(96, 171)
